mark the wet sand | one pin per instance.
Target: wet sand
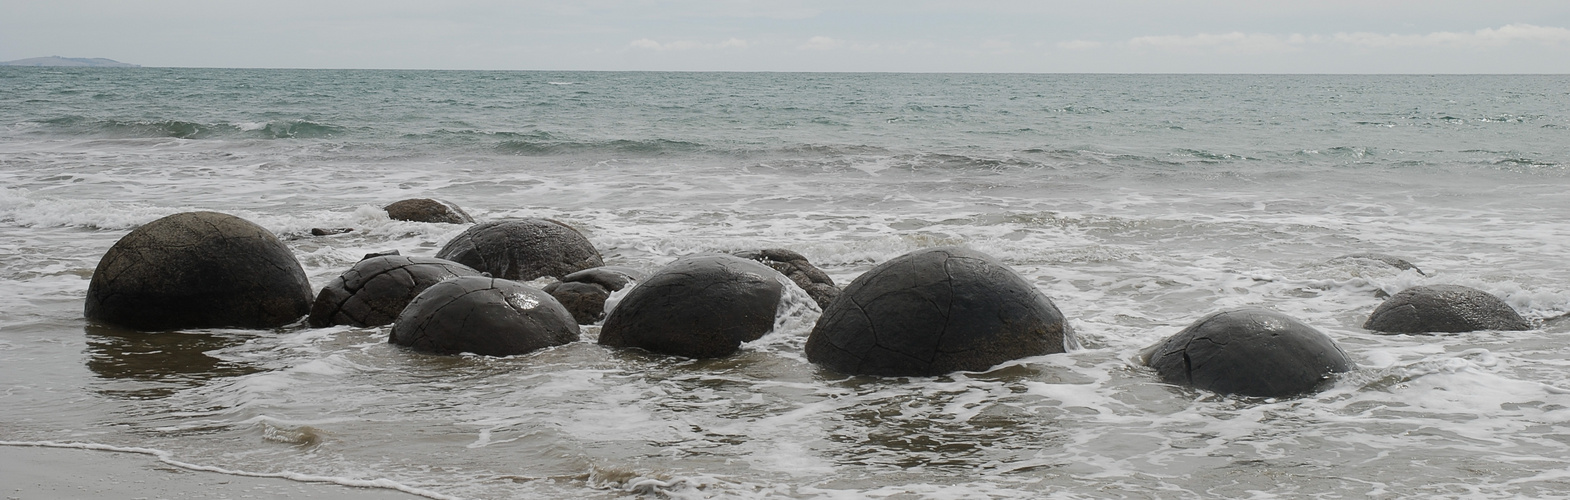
(33, 472)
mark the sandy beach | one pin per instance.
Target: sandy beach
(33, 472)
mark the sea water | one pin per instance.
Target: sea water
(1138, 203)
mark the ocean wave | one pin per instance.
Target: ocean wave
(77, 125)
(651, 147)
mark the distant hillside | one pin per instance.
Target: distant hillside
(80, 62)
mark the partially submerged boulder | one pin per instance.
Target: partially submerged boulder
(1389, 260)
(1444, 308)
(480, 315)
(936, 311)
(584, 293)
(522, 249)
(700, 307)
(376, 289)
(1249, 352)
(198, 270)
(428, 210)
(800, 271)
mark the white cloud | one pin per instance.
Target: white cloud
(1262, 43)
(1235, 42)
(650, 44)
(1483, 38)
(820, 43)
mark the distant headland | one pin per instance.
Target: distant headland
(78, 62)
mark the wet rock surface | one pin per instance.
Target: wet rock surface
(800, 271)
(933, 312)
(1444, 309)
(427, 210)
(1389, 260)
(198, 270)
(480, 315)
(700, 307)
(522, 249)
(1249, 352)
(584, 293)
(376, 289)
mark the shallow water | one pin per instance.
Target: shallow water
(1137, 203)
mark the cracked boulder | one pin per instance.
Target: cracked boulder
(480, 315)
(1389, 260)
(699, 307)
(1249, 352)
(376, 289)
(522, 249)
(584, 292)
(198, 270)
(800, 271)
(1444, 308)
(427, 210)
(932, 312)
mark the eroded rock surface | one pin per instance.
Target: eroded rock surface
(522, 249)
(480, 315)
(427, 210)
(1389, 260)
(933, 312)
(376, 289)
(198, 270)
(584, 293)
(700, 307)
(1444, 308)
(800, 271)
(1249, 352)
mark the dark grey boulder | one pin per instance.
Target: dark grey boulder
(584, 293)
(932, 312)
(376, 289)
(800, 271)
(699, 307)
(523, 249)
(480, 315)
(1444, 308)
(1249, 352)
(427, 210)
(1389, 260)
(198, 270)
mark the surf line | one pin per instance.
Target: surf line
(168, 458)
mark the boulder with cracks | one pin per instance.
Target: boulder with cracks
(699, 307)
(376, 289)
(584, 292)
(1248, 352)
(522, 249)
(1444, 308)
(480, 315)
(198, 270)
(800, 271)
(933, 312)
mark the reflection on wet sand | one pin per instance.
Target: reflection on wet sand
(142, 365)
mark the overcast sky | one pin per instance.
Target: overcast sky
(1123, 36)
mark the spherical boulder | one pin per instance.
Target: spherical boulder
(800, 271)
(699, 307)
(1249, 352)
(427, 210)
(1444, 308)
(584, 292)
(480, 315)
(523, 249)
(198, 270)
(932, 312)
(1389, 260)
(376, 289)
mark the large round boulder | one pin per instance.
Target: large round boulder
(1249, 352)
(800, 271)
(376, 289)
(1444, 308)
(427, 210)
(523, 249)
(480, 315)
(198, 270)
(932, 312)
(584, 293)
(699, 307)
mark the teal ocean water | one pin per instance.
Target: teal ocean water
(1138, 203)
